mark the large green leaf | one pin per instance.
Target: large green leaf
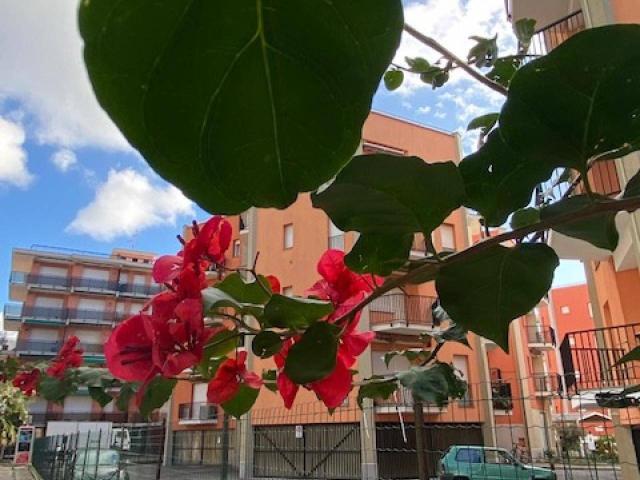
(599, 231)
(580, 101)
(633, 355)
(379, 253)
(390, 197)
(246, 291)
(435, 384)
(486, 292)
(99, 395)
(242, 402)
(314, 356)
(294, 312)
(266, 344)
(376, 388)
(213, 298)
(498, 180)
(157, 392)
(55, 390)
(243, 102)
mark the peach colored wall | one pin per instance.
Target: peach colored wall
(626, 11)
(618, 293)
(576, 297)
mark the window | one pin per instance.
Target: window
(287, 291)
(447, 237)
(498, 457)
(565, 310)
(236, 248)
(288, 235)
(469, 455)
(461, 363)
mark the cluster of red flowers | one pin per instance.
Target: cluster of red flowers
(169, 335)
(69, 356)
(345, 289)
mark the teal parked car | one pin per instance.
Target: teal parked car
(475, 462)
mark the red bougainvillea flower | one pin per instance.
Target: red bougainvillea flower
(27, 381)
(274, 283)
(230, 375)
(69, 356)
(178, 343)
(209, 244)
(129, 350)
(339, 284)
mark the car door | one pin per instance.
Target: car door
(468, 462)
(498, 465)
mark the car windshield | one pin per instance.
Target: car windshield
(97, 457)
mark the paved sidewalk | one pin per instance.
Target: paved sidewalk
(7, 472)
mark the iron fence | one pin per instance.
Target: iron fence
(399, 309)
(550, 36)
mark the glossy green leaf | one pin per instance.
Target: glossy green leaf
(294, 312)
(376, 388)
(266, 344)
(504, 68)
(410, 355)
(125, 394)
(242, 402)
(435, 76)
(255, 291)
(484, 52)
(222, 98)
(393, 79)
(524, 217)
(524, 29)
(418, 64)
(579, 102)
(600, 231)
(632, 188)
(222, 343)
(378, 253)
(213, 298)
(55, 390)
(484, 122)
(632, 356)
(455, 333)
(390, 196)
(313, 357)
(486, 292)
(270, 377)
(100, 396)
(157, 392)
(435, 384)
(499, 181)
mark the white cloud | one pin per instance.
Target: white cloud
(128, 203)
(440, 114)
(423, 110)
(64, 159)
(13, 157)
(451, 22)
(42, 68)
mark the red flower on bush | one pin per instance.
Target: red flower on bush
(230, 375)
(69, 356)
(129, 350)
(209, 243)
(27, 382)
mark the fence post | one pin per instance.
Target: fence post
(418, 421)
(225, 447)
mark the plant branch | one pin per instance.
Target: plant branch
(428, 271)
(430, 42)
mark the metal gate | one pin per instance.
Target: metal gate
(396, 446)
(307, 451)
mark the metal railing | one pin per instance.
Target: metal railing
(53, 281)
(41, 418)
(37, 347)
(144, 290)
(547, 383)
(198, 412)
(19, 312)
(590, 357)
(549, 37)
(94, 284)
(541, 335)
(407, 310)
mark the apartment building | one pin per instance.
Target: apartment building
(371, 443)
(589, 355)
(56, 293)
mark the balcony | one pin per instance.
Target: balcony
(589, 358)
(197, 413)
(553, 34)
(546, 384)
(541, 338)
(92, 351)
(91, 317)
(501, 396)
(402, 401)
(144, 291)
(402, 314)
(45, 282)
(41, 418)
(93, 285)
(34, 315)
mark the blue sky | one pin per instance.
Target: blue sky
(68, 178)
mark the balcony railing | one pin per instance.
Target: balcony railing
(546, 383)
(549, 37)
(84, 284)
(41, 418)
(198, 413)
(46, 348)
(590, 358)
(18, 312)
(539, 335)
(402, 311)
